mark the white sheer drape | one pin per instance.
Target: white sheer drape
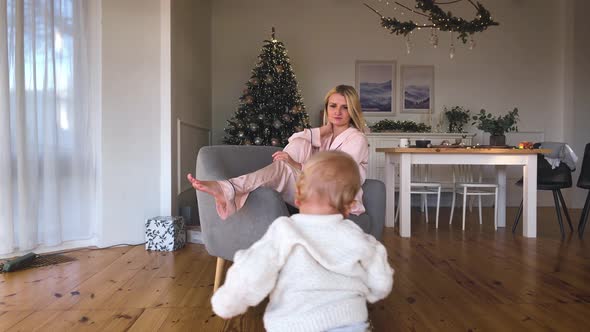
(49, 129)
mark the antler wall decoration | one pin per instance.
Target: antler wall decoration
(438, 20)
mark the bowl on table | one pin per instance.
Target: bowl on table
(422, 143)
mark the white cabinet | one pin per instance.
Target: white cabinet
(384, 140)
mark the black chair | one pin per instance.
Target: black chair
(584, 183)
(554, 180)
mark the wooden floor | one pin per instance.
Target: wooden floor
(445, 280)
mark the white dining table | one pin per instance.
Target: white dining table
(498, 157)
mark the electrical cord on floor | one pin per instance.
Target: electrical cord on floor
(22, 260)
(88, 248)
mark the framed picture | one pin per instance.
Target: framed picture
(376, 85)
(417, 83)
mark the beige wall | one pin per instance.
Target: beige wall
(131, 113)
(191, 91)
(512, 65)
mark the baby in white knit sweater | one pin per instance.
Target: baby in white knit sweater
(318, 268)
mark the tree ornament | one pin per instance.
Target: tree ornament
(261, 116)
(274, 141)
(408, 44)
(258, 141)
(279, 68)
(471, 43)
(254, 81)
(434, 38)
(286, 117)
(240, 134)
(247, 141)
(268, 79)
(253, 126)
(452, 48)
(249, 99)
(277, 124)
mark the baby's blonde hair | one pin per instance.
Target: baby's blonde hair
(331, 176)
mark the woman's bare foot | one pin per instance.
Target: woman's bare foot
(210, 187)
(225, 206)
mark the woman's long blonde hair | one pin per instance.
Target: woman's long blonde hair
(353, 102)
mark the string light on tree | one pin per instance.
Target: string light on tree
(438, 20)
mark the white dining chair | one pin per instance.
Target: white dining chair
(422, 185)
(464, 183)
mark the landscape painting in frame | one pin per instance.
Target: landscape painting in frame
(417, 89)
(375, 83)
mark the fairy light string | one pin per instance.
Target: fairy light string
(438, 19)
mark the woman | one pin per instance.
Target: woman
(342, 130)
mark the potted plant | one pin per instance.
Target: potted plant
(457, 117)
(496, 126)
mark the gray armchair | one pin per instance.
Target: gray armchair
(223, 238)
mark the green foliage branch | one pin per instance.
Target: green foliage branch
(496, 125)
(457, 117)
(387, 125)
(439, 19)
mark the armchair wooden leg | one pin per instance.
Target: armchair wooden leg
(218, 273)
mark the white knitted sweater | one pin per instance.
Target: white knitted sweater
(318, 269)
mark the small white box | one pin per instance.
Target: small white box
(165, 233)
(194, 235)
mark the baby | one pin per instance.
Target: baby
(318, 267)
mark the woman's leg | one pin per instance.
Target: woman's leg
(300, 150)
(279, 175)
(230, 195)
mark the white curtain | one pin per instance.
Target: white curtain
(49, 125)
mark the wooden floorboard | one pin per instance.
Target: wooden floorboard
(446, 280)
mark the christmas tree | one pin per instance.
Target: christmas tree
(271, 108)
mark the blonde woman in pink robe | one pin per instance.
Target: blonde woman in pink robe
(342, 130)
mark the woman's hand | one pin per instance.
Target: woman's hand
(326, 130)
(284, 156)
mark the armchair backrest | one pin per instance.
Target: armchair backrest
(222, 238)
(228, 161)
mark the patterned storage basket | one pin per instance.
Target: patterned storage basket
(165, 233)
